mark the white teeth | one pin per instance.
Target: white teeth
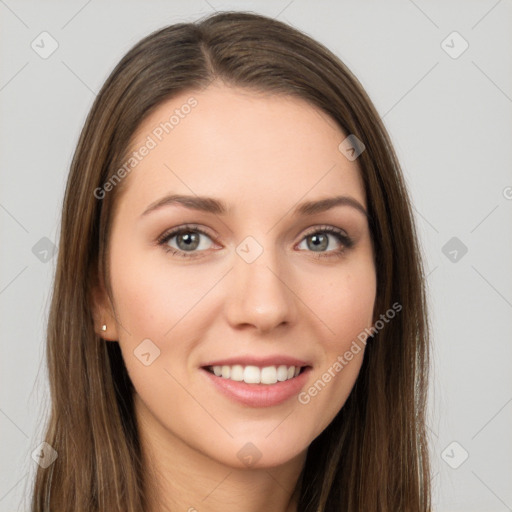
(237, 372)
(282, 373)
(252, 375)
(226, 372)
(269, 375)
(256, 375)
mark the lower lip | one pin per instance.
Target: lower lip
(259, 395)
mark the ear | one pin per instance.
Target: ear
(103, 313)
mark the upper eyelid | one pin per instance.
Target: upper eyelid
(322, 227)
(171, 233)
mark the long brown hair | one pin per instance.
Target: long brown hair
(374, 454)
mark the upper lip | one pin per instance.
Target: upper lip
(276, 360)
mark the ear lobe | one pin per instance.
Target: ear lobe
(105, 325)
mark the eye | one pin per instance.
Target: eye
(185, 239)
(319, 240)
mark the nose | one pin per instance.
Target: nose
(259, 294)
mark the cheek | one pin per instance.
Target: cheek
(156, 302)
(346, 302)
(165, 303)
(346, 308)
(151, 295)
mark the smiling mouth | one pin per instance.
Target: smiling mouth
(256, 375)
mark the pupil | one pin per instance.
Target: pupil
(319, 244)
(190, 239)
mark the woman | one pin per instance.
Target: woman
(238, 319)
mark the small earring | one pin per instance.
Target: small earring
(104, 327)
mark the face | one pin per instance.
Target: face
(249, 278)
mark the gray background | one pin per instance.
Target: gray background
(449, 118)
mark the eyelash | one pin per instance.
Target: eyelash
(346, 241)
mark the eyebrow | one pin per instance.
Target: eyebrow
(218, 207)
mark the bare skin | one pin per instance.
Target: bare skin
(262, 155)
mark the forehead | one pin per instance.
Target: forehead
(251, 149)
